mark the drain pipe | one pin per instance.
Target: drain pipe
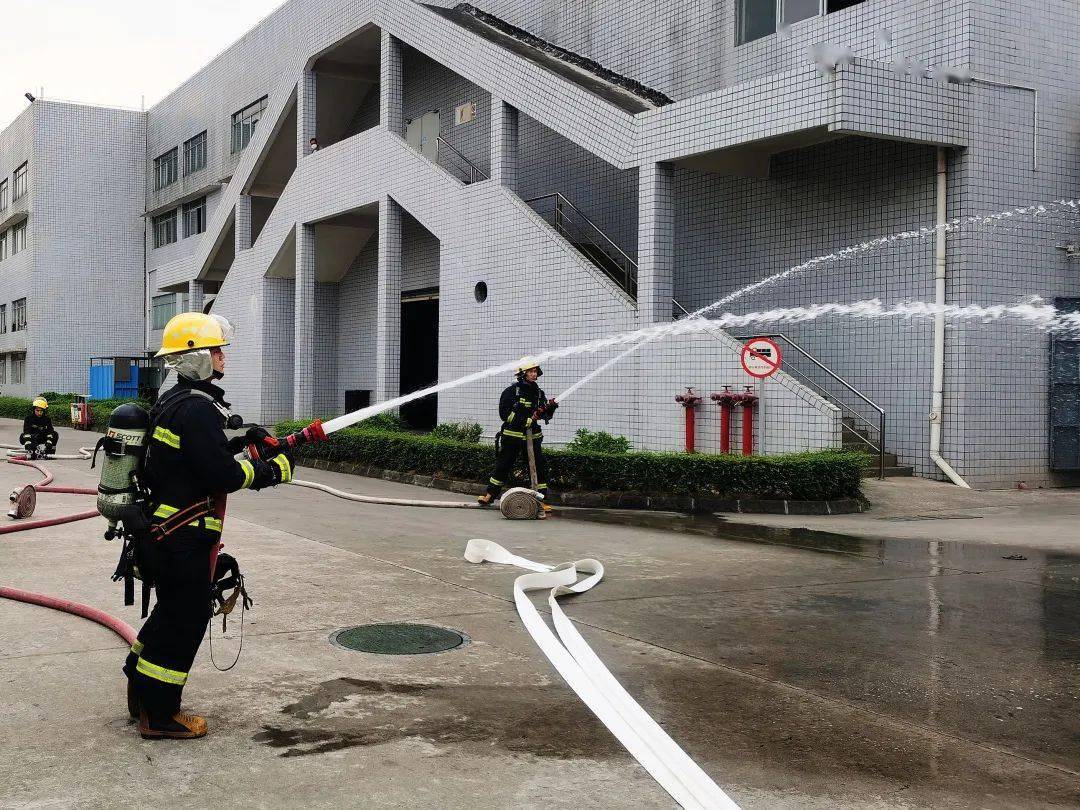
(937, 411)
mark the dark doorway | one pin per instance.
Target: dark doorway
(420, 356)
(1065, 396)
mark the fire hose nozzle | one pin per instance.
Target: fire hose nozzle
(273, 445)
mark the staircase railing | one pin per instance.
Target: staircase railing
(867, 413)
(457, 164)
(588, 238)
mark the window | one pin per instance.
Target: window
(165, 229)
(3, 245)
(759, 18)
(19, 183)
(3, 194)
(18, 368)
(244, 122)
(3, 319)
(165, 169)
(163, 307)
(194, 217)
(195, 154)
(18, 238)
(18, 315)
(3, 364)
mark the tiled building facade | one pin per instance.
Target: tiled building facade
(543, 202)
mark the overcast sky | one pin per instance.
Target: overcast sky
(113, 51)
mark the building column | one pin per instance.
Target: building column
(304, 324)
(504, 144)
(392, 85)
(305, 112)
(388, 319)
(656, 241)
(196, 295)
(242, 222)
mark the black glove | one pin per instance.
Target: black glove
(547, 411)
(254, 435)
(278, 470)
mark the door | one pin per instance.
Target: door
(420, 357)
(422, 134)
(1065, 397)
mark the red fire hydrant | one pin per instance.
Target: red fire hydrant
(726, 400)
(689, 401)
(748, 400)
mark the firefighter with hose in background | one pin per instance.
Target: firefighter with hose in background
(38, 435)
(521, 407)
(189, 468)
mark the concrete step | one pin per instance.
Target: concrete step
(894, 471)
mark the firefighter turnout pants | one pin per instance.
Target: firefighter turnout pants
(510, 449)
(161, 657)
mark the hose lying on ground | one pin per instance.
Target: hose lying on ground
(352, 496)
(118, 626)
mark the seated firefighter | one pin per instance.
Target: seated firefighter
(38, 436)
(521, 407)
(189, 468)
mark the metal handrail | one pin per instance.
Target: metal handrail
(880, 446)
(624, 271)
(475, 172)
(561, 200)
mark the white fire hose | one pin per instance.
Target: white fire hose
(586, 674)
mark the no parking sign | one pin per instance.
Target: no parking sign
(761, 357)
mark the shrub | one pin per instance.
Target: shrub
(465, 432)
(806, 476)
(386, 422)
(585, 441)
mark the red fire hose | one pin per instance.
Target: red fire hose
(118, 626)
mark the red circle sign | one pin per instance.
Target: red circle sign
(761, 357)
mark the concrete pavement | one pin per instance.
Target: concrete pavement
(850, 673)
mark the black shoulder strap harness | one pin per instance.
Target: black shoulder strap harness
(133, 564)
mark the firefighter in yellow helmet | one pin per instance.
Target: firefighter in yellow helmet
(38, 435)
(521, 407)
(189, 468)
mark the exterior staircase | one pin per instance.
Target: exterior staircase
(858, 439)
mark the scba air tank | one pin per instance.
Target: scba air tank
(124, 445)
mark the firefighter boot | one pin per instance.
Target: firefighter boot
(485, 499)
(178, 727)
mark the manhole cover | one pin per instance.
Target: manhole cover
(398, 639)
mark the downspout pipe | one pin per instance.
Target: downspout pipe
(937, 410)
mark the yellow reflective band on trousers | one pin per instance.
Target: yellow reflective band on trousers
(165, 511)
(137, 647)
(286, 468)
(516, 435)
(161, 673)
(211, 523)
(249, 473)
(166, 436)
(495, 481)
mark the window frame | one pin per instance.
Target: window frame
(3, 245)
(3, 194)
(18, 364)
(19, 181)
(166, 169)
(18, 308)
(18, 238)
(242, 124)
(196, 147)
(3, 365)
(166, 308)
(193, 207)
(779, 11)
(168, 220)
(3, 319)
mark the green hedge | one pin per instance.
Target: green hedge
(807, 476)
(60, 408)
